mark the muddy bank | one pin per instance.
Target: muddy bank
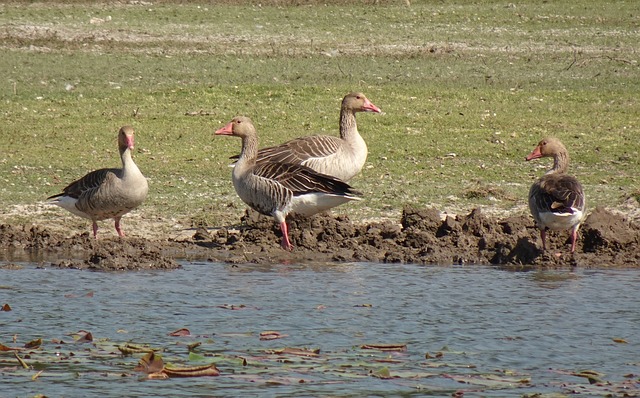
(421, 236)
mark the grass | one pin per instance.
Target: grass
(467, 89)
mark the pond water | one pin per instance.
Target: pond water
(477, 330)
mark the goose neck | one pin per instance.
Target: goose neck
(348, 126)
(560, 163)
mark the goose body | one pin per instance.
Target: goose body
(277, 189)
(556, 200)
(107, 193)
(342, 157)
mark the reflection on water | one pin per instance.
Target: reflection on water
(537, 325)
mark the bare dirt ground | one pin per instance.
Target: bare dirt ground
(421, 236)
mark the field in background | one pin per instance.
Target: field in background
(467, 90)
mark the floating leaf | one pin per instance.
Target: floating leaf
(180, 332)
(366, 305)
(129, 349)
(154, 366)
(87, 338)
(304, 352)
(591, 375)
(438, 354)
(195, 357)
(82, 336)
(5, 348)
(382, 373)
(5, 307)
(385, 347)
(33, 343)
(150, 363)
(271, 335)
(192, 346)
(194, 371)
(619, 340)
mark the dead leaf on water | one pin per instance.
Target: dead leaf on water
(5, 307)
(192, 371)
(271, 335)
(129, 349)
(154, 366)
(619, 340)
(303, 352)
(150, 363)
(33, 343)
(180, 332)
(385, 347)
(439, 354)
(193, 346)
(86, 338)
(6, 348)
(591, 375)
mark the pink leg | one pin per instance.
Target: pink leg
(118, 230)
(286, 244)
(95, 230)
(574, 238)
(543, 236)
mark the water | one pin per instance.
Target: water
(501, 333)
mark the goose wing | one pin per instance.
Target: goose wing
(303, 180)
(87, 184)
(558, 194)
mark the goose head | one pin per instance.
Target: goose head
(239, 126)
(547, 147)
(125, 138)
(358, 102)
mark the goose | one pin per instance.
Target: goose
(556, 200)
(341, 157)
(107, 193)
(276, 188)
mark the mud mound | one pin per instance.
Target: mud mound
(421, 236)
(35, 243)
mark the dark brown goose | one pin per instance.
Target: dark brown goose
(341, 157)
(275, 188)
(107, 193)
(556, 200)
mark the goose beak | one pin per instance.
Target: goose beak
(226, 130)
(130, 142)
(370, 107)
(535, 154)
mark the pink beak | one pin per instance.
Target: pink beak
(226, 130)
(370, 107)
(535, 154)
(130, 141)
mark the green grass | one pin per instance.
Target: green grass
(484, 81)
